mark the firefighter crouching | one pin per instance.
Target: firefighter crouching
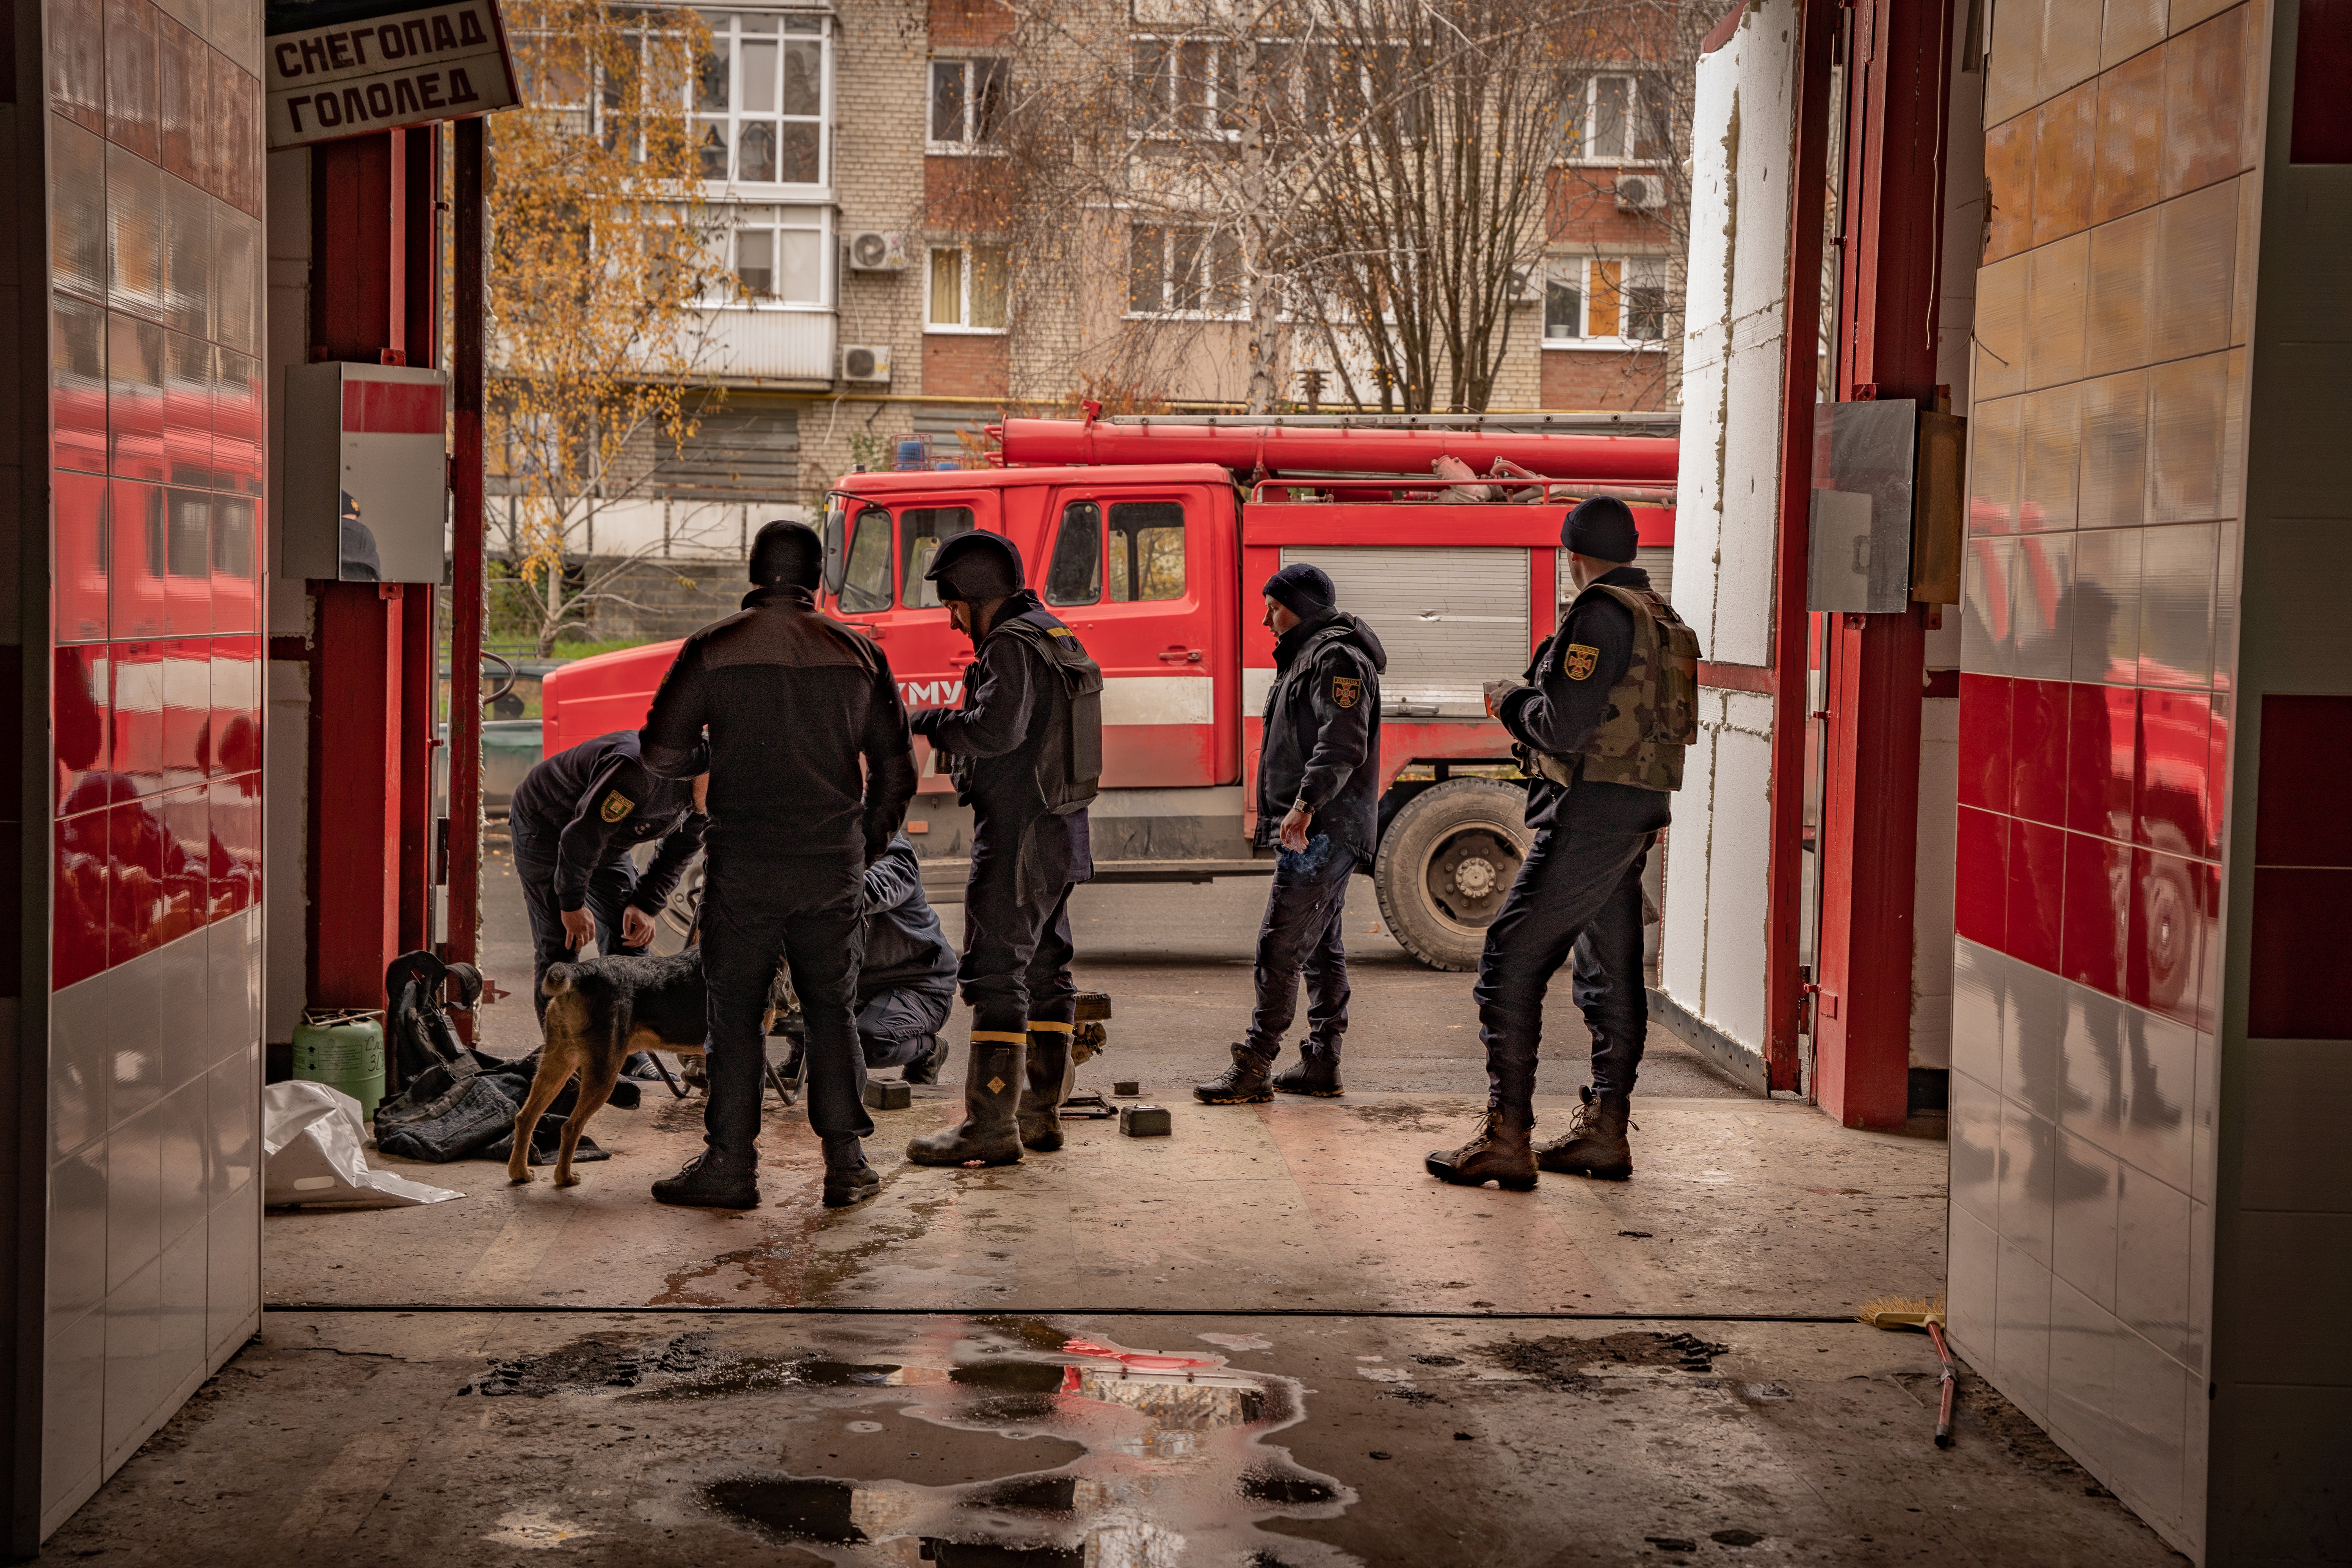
(811, 771)
(1319, 801)
(1609, 705)
(1025, 752)
(906, 985)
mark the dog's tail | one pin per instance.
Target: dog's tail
(559, 978)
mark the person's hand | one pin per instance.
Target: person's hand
(702, 793)
(579, 928)
(637, 927)
(1293, 830)
(1495, 691)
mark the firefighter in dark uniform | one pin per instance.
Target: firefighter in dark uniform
(573, 820)
(811, 772)
(1319, 801)
(906, 985)
(1025, 752)
(1608, 707)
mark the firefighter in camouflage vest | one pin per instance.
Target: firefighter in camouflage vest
(1601, 721)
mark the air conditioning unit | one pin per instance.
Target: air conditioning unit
(1640, 192)
(865, 362)
(872, 251)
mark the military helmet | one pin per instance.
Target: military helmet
(976, 566)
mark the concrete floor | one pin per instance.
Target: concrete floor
(1269, 1339)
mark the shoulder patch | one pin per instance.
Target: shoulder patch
(616, 807)
(1577, 661)
(1346, 690)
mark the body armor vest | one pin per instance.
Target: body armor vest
(1652, 711)
(1069, 764)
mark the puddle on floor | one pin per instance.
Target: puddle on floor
(1001, 1442)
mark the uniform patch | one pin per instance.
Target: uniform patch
(1578, 662)
(1347, 690)
(617, 805)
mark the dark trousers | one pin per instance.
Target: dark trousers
(804, 910)
(1578, 894)
(897, 1025)
(1016, 956)
(610, 887)
(1303, 933)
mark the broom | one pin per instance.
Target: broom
(1918, 1312)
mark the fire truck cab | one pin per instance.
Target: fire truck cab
(1156, 566)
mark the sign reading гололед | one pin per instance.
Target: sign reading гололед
(345, 67)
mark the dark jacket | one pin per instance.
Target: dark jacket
(808, 739)
(1322, 742)
(600, 802)
(1558, 712)
(904, 943)
(1010, 701)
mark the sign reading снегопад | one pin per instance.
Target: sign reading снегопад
(345, 67)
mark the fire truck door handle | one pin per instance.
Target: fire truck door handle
(959, 659)
(1181, 656)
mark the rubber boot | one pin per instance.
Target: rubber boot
(1316, 1072)
(989, 1131)
(848, 1179)
(1497, 1151)
(1041, 1098)
(1243, 1083)
(925, 1068)
(713, 1181)
(1595, 1145)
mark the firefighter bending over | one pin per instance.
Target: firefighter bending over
(1318, 800)
(811, 772)
(1025, 752)
(1600, 729)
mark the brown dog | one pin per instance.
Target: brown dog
(600, 1010)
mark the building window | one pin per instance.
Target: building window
(1187, 84)
(1605, 302)
(1182, 269)
(968, 99)
(761, 100)
(966, 288)
(1616, 120)
(778, 252)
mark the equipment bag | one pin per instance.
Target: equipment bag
(1069, 772)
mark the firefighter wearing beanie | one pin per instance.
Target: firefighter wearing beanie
(1025, 752)
(811, 771)
(1318, 802)
(1601, 721)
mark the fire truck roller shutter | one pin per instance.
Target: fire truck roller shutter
(1452, 619)
(1657, 560)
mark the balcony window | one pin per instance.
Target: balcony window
(779, 252)
(966, 288)
(1605, 302)
(763, 101)
(967, 102)
(1182, 269)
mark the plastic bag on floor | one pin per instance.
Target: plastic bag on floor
(314, 1149)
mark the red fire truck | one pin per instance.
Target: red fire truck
(1150, 536)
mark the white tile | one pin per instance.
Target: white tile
(1968, 1286)
(134, 1199)
(2033, 1026)
(2149, 1405)
(2200, 1290)
(233, 1285)
(77, 1242)
(2159, 1094)
(1973, 1127)
(2082, 1230)
(133, 1349)
(2094, 1100)
(73, 1404)
(133, 1021)
(2201, 1116)
(2152, 1260)
(184, 1047)
(231, 1020)
(180, 1325)
(2081, 1366)
(1988, 594)
(2028, 1160)
(1979, 976)
(184, 1135)
(234, 1154)
(2021, 1338)
(77, 1066)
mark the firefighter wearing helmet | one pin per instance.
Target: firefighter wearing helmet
(1024, 751)
(1600, 722)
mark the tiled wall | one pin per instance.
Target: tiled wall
(2106, 469)
(157, 411)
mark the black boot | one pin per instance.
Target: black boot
(1497, 1153)
(990, 1130)
(1316, 1072)
(1041, 1098)
(1595, 1145)
(713, 1181)
(848, 1179)
(1243, 1083)
(925, 1068)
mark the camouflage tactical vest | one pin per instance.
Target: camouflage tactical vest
(1653, 711)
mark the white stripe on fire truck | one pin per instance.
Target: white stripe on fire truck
(1158, 699)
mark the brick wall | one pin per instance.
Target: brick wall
(966, 365)
(1593, 378)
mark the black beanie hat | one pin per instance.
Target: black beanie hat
(1305, 591)
(1601, 528)
(973, 566)
(786, 554)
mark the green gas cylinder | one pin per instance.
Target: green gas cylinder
(343, 1049)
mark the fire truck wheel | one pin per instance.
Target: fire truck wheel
(1445, 863)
